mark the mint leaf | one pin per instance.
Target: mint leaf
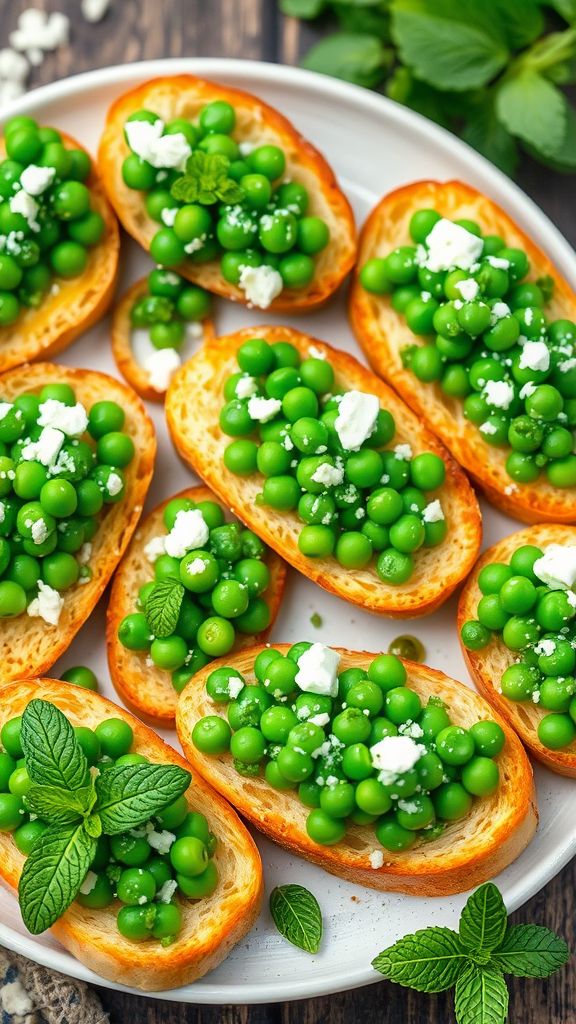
(485, 133)
(297, 916)
(531, 951)
(522, 21)
(481, 996)
(206, 181)
(533, 109)
(354, 57)
(446, 53)
(430, 960)
(483, 920)
(93, 826)
(52, 752)
(302, 8)
(59, 806)
(131, 794)
(52, 875)
(565, 8)
(163, 607)
(371, 18)
(564, 159)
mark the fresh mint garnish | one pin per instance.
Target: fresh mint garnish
(163, 607)
(53, 755)
(206, 181)
(61, 806)
(297, 916)
(131, 794)
(475, 959)
(53, 874)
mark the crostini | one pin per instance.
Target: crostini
(347, 788)
(446, 517)
(59, 547)
(59, 263)
(146, 368)
(478, 386)
(286, 233)
(149, 689)
(209, 920)
(516, 623)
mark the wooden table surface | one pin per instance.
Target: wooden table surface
(144, 29)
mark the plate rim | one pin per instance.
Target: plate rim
(263, 73)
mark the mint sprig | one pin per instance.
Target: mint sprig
(78, 808)
(163, 607)
(475, 959)
(297, 916)
(206, 181)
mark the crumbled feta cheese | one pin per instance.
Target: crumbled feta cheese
(15, 1001)
(84, 554)
(246, 387)
(318, 670)
(451, 246)
(396, 754)
(511, 489)
(94, 10)
(38, 31)
(197, 565)
(161, 841)
(89, 883)
(316, 353)
(168, 215)
(356, 419)
(557, 567)
(189, 532)
(261, 285)
(545, 647)
(166, 891)
(528, 389)
(498, 312)
(498, 393)
(433, 513)
(263, 409)
(35, 180)
(47, 605)
(535, 356)
(321, 719)
(46, 449)
(403, 452)
(154, 548)
(26, 206)
(72, 420)
(488, 428)
(376, 859)
(5, 408)
(13, 66)
(571, 598)
(160, 365)
(114, 484)
(536, 697)
(235, 684)
(147, 141)
(328, 475)
(246, 148)
(468, 289)
(499, 262)
(39, 531)
(567, 365)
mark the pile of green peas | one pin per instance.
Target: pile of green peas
(538, 626)
(268, 226)
(468, 344)
(378, 507)
(169, 304)
(225, 597)
(271, 727)
(126, 867)
(56, 241)
(48, 513)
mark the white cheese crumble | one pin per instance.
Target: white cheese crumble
(316, 353)
(72, 420)
(15, 1000)
(197, 565)
(35, 180)
(5, 408)
(85, 554)
(557, 567)
(535, 356)
(189, 532)
(154, 548)
(246, 387)
(38, 31)
(468, 289)
(46, 449)
(498, 312)
(545, 647)
(498, 261)
(321, 719)
(528, 389)
(114, 484)
(403, 452)
(166, 891)
(147, 141)
(376, 859)
(433, 513)
(328, 475)
(451, 246)
(168, 215)
(356, 419)
(27, 207)
(488, 428)
(89, 883)
(498, 393)
(263, 409)
(39, 531)
(161, 841)
(235, 684)
(47, 605)
(396, 754)
(318, 670)
(261, 285)
(160, 365)
(94, 10)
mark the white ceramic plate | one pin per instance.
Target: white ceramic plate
(374, 146)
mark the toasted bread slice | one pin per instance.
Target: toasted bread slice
(145, 688)
(211, 926)
(468, 852)
(257, 123)
(122, 349)
(383, 333)
(73, 305)
(193, 405)
(487, 665)
(29, 646)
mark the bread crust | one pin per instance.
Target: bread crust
(183, 96)
(145, 688)
(487, 665)
(122, 350)
(193, 404)
(382, 333)
(211, 927)
(78, 304)
(30, 646)
(467, 853)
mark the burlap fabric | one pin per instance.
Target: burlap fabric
(30, 994)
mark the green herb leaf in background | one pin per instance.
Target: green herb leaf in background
(534, 110)
(60, 806)
(485, 133)
(531, 951)
(429, 961)
(163, 607)
(481, 996)
(53, 873)
(483, 920)
(360, 59)
(53, 755)
(131, 794)
(297, 916)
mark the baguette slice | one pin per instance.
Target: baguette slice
(122, 349)
(470, 851)
(147, 689)
(382, 333)
(78, 303)
(30, 646)
(487, 665)
(257, 123)
(211, 927)
(193, 405)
